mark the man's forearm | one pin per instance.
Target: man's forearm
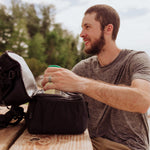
(120, 97)
(134, 98)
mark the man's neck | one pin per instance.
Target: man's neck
(108, 54)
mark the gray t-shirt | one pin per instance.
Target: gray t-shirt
(128, 128)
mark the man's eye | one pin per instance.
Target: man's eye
(87, 27)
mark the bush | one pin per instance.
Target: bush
(36, 67)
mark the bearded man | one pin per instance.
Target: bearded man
(115, 82)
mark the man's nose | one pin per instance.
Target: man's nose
(82, 34)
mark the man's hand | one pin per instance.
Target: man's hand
(62, 79)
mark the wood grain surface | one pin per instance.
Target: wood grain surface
(10, 134)
(53, 142)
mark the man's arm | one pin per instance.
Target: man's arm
(134, 98)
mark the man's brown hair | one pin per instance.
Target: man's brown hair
(106, 15)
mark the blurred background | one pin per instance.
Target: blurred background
(46, 32)
(30, 30)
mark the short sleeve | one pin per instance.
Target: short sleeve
(140, 66)
(84, 67)
(79, 68)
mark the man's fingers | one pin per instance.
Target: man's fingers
(49, 86)
(47, 78)
(52, 69)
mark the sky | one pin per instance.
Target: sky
(134, 15)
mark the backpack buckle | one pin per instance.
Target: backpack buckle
(11, 74)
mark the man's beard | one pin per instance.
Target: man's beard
(96, 47)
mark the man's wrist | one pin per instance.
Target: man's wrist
(83, 85)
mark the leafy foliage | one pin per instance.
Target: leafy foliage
(36, 66)
(36, 48)
(31, 31)
(6, 25)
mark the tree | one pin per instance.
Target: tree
(36, 48)
(36, 66)
(18, 10)
(33, 21)
(6, 27)
(19, 38)
(31, 31)
(47, 18)
(61, 47)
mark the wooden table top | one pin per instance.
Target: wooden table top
(52, 142)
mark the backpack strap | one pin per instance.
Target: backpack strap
(15, 113)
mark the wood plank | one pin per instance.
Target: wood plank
(10, 134)
(53, 142)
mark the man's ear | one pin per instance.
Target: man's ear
(109, 28)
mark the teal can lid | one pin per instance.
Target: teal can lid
(54, 66)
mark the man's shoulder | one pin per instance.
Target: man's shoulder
(85, 65)
(87, 61)
(134, 55)
(133, 52)
(90, 59)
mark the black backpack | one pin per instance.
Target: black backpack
(47, 113)
(17, 86)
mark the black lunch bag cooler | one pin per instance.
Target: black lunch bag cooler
(57, 114)
(46, 113)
